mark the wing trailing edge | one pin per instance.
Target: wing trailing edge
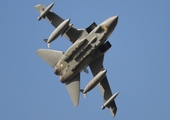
(96, 66)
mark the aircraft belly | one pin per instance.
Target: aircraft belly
(83, 58)
(80, 54)
(87, 49)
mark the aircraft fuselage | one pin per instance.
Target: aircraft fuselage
(82, 52)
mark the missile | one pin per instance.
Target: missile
(45, 11)
(58, 31)
(109, 100)
(94, 81)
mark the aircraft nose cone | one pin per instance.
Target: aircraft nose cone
(111, 22)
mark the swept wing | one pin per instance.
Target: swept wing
(71, 34)
(96, 66)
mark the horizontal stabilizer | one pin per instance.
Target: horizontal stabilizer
(73, 88)
(50, 56)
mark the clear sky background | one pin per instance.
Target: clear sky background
(138, 63)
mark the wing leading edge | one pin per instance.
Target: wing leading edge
(96, 66)
(72, 34)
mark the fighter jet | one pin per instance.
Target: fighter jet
(88, 48)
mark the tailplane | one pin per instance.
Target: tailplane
(50, 56)
(73, 87)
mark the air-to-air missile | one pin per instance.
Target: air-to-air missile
(94, 81)
(58, 31)
(45, 11)
(109, 100)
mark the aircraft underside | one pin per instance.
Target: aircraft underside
(88, 48)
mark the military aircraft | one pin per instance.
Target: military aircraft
(88, 48)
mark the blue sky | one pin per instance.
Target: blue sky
(138, 63)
